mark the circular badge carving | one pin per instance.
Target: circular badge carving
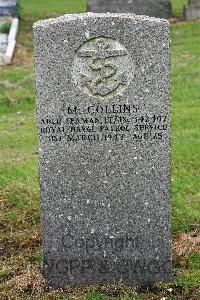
(102, 67)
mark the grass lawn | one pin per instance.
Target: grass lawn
(20, 248)
(42, 8)
(177, 6)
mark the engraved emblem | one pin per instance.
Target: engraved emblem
(102, 67)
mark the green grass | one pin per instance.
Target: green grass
(185, 124)
(43, 8)
(5, 28)
(177, 6)
(19, 188)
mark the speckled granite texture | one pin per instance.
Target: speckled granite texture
(102, 85)
(152, 8)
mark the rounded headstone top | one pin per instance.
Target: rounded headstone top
(91, 15)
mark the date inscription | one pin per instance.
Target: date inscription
(103, 123)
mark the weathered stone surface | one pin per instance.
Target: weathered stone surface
(102, 84)
(152, 8)
(192, 10)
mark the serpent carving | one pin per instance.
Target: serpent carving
(106, 80)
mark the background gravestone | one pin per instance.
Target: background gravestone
(102, 84)
(152, 8)
(192, 10)
(8, 8)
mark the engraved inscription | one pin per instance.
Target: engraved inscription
(102, 67)
(104, 123)
(95, 244)
(129, 267)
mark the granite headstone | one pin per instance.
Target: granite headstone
(152, 8)
(102, 84)
(192, 10)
